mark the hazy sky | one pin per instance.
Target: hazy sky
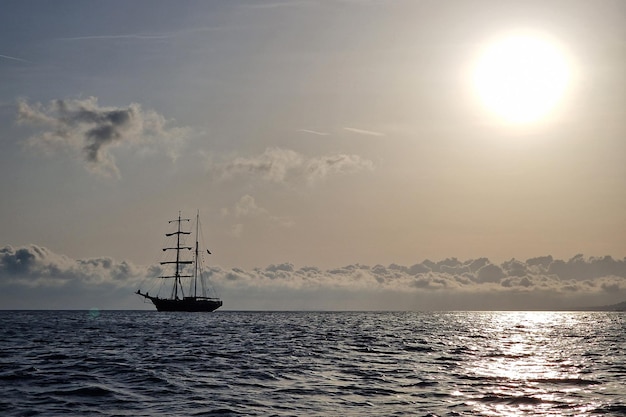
(330, 146)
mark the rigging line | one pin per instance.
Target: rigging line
(152, 286)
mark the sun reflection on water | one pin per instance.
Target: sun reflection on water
(524, 364)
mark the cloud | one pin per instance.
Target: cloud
(272, 165)
(446, 284)
(401, 279)
(157, 36)
(313, 132)
(34, 275)
(236, 230)
(12, 58)
(278, 4)
(36, 266)
(363, 132)
(131, 36)
(322, 167)
(247, 207)
(280, 165)
(490, 273)
(90, 132)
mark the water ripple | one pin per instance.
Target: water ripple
(300, 363)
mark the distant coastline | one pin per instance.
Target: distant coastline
(613, 307)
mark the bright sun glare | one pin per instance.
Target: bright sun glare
(521, 77)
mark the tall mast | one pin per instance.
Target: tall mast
(195, 271)
(178, 261)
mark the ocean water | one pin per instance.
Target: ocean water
(115, 363)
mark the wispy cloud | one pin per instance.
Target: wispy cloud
(247, 208)
(313, 132)
(91, 131)
(142, 36)
(132, 36)
(285, 165)
(12, 58)
(272, 165)
(324, 166)
(363, 131)
(278, 4)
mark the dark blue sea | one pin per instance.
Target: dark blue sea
(145, 363)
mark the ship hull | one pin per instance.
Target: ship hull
(199, 304)
(188, 304)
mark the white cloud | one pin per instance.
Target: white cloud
(36, 266)
(313, 132)
(272, 165)
(247, 208)
(322, 167)
(490, 273)
(363, 131)
(34, 271)
(237, 230)
(90, 132)
(278, 4)
(12, 58)
(447, 284)
(284, 165)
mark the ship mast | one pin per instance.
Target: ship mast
(178, 262)
(195, 266)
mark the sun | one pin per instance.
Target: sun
(522, 77)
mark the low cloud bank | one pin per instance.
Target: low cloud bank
(32, 276)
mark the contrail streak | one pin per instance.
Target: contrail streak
(13, 58)
(313, 132)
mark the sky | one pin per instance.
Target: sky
(339, 153)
